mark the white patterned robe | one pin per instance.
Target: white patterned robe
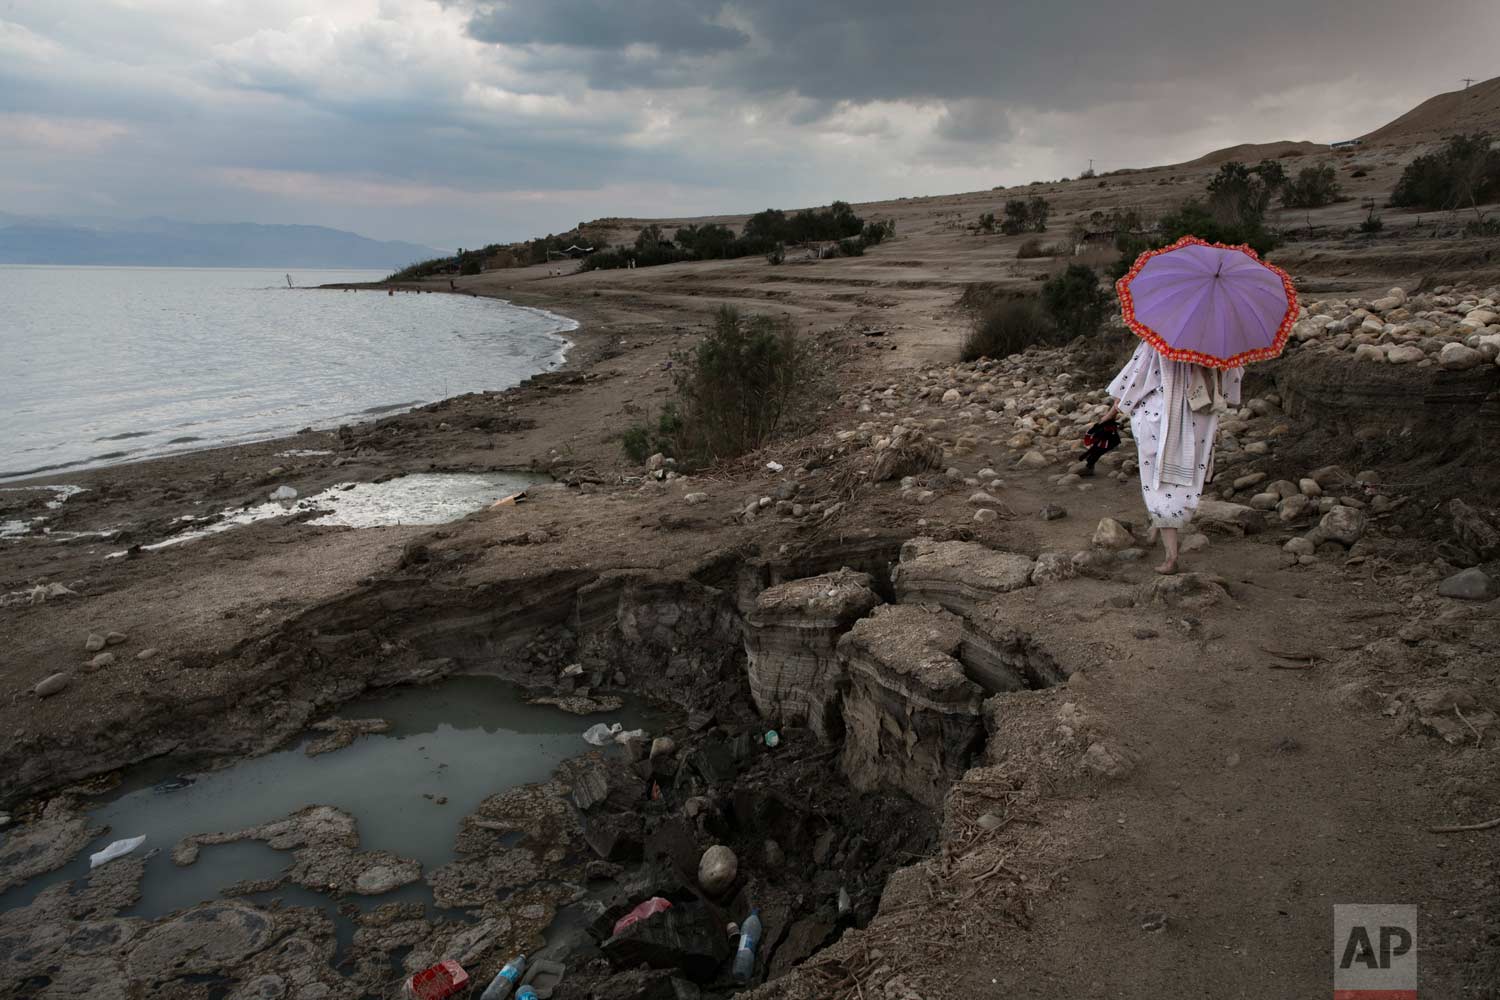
(1171, 482)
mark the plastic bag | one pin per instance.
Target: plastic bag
(649, 908)
(600, 734)
(118, 849)
(628, 735)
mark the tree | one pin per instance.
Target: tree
(1313, 188)
(1236, 196)
(1465, 173)
(649, 238)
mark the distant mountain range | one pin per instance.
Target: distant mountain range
(167, 243)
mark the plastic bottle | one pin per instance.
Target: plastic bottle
(505, 980)
(526, 993)
(744, 958)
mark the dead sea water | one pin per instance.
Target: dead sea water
(100, 365)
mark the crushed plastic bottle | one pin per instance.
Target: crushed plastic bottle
(505, 980)
(526, 993)
(773, 738)
(744, 957)
(118, 849)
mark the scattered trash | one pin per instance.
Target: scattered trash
(599, 734)
(773, 738)
(118, 849)
(744, 957)
(527, 993)
(505, 980)
(628, 735)
(573, 670)
(649, 908)
(173, 784)
(284, 493)
(544, 977)
(775, 466)
(437, 982)
(510, 501)
(844, 903)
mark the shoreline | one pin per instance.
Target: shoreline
(568, 339)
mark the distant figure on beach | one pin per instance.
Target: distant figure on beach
(1174, 411)
(452, 285)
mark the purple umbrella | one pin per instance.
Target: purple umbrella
(1211, 304)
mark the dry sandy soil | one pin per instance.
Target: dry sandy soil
(1242, 800)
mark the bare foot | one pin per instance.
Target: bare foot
(1167, 568)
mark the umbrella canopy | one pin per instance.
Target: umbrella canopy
(1211, 304)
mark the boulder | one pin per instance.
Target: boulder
(913, 717)
(1455, 357)
(717, 870)
(1230, 518)
(1053, 566)
(791, 646)
(1405, 354)
(957, 576)
(1344, 525)
(1111, 534)
(1469, 585)
(52, 684)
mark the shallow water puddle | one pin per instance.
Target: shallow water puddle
(463, 739)
(419, 499)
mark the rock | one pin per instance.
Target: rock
(1329, 475)
(986, 516)
(688, 936)
(656, 462)
(1299, 547)
(1187, 590)
(1265, 501)
(957, 576)
(1230, 518)
(1344, 525)
(1051, 567)
(1310, 487)
(382, 878)
(990, 821)
(1472, 584)
(1369, 352)
(51, 685)
(1293, 507)
(1052, 512)
(1405, 354)
(1194, 543)
(94, 642)
(663, 746)
(952, 396)
(1111, 534)
(149, 653)
(913, 718)
(1247, 481)
(1474, 530)
(717, 870)
(1032, 460)
(115, 638)
(284, 493)
(695, 498)
(791, 645)
(983, 499)
(102, 660)
(1455, 357)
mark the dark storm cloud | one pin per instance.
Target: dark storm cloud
(1051, 55)
(674, 26)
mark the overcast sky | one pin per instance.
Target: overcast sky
(459, 122)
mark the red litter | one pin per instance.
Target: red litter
(649, 908)
(438, 982)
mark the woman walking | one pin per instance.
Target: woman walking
(1174, 409)
(1202, 311)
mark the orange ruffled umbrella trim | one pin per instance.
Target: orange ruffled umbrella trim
(1156, 340)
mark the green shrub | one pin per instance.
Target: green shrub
(1237, 196)
(1271, 173)
(852, 247)
(1029, 216)
(875, 233)
(1007, 327)
(749, 379)
(470, 265)
(1313, 188)
(987, 222)
(1465, 173)
(1075, 301)
(637, 442)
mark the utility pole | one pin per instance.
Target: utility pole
(1468, 80)
(1091, 164)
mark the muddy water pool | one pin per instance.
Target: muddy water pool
(461, 739)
